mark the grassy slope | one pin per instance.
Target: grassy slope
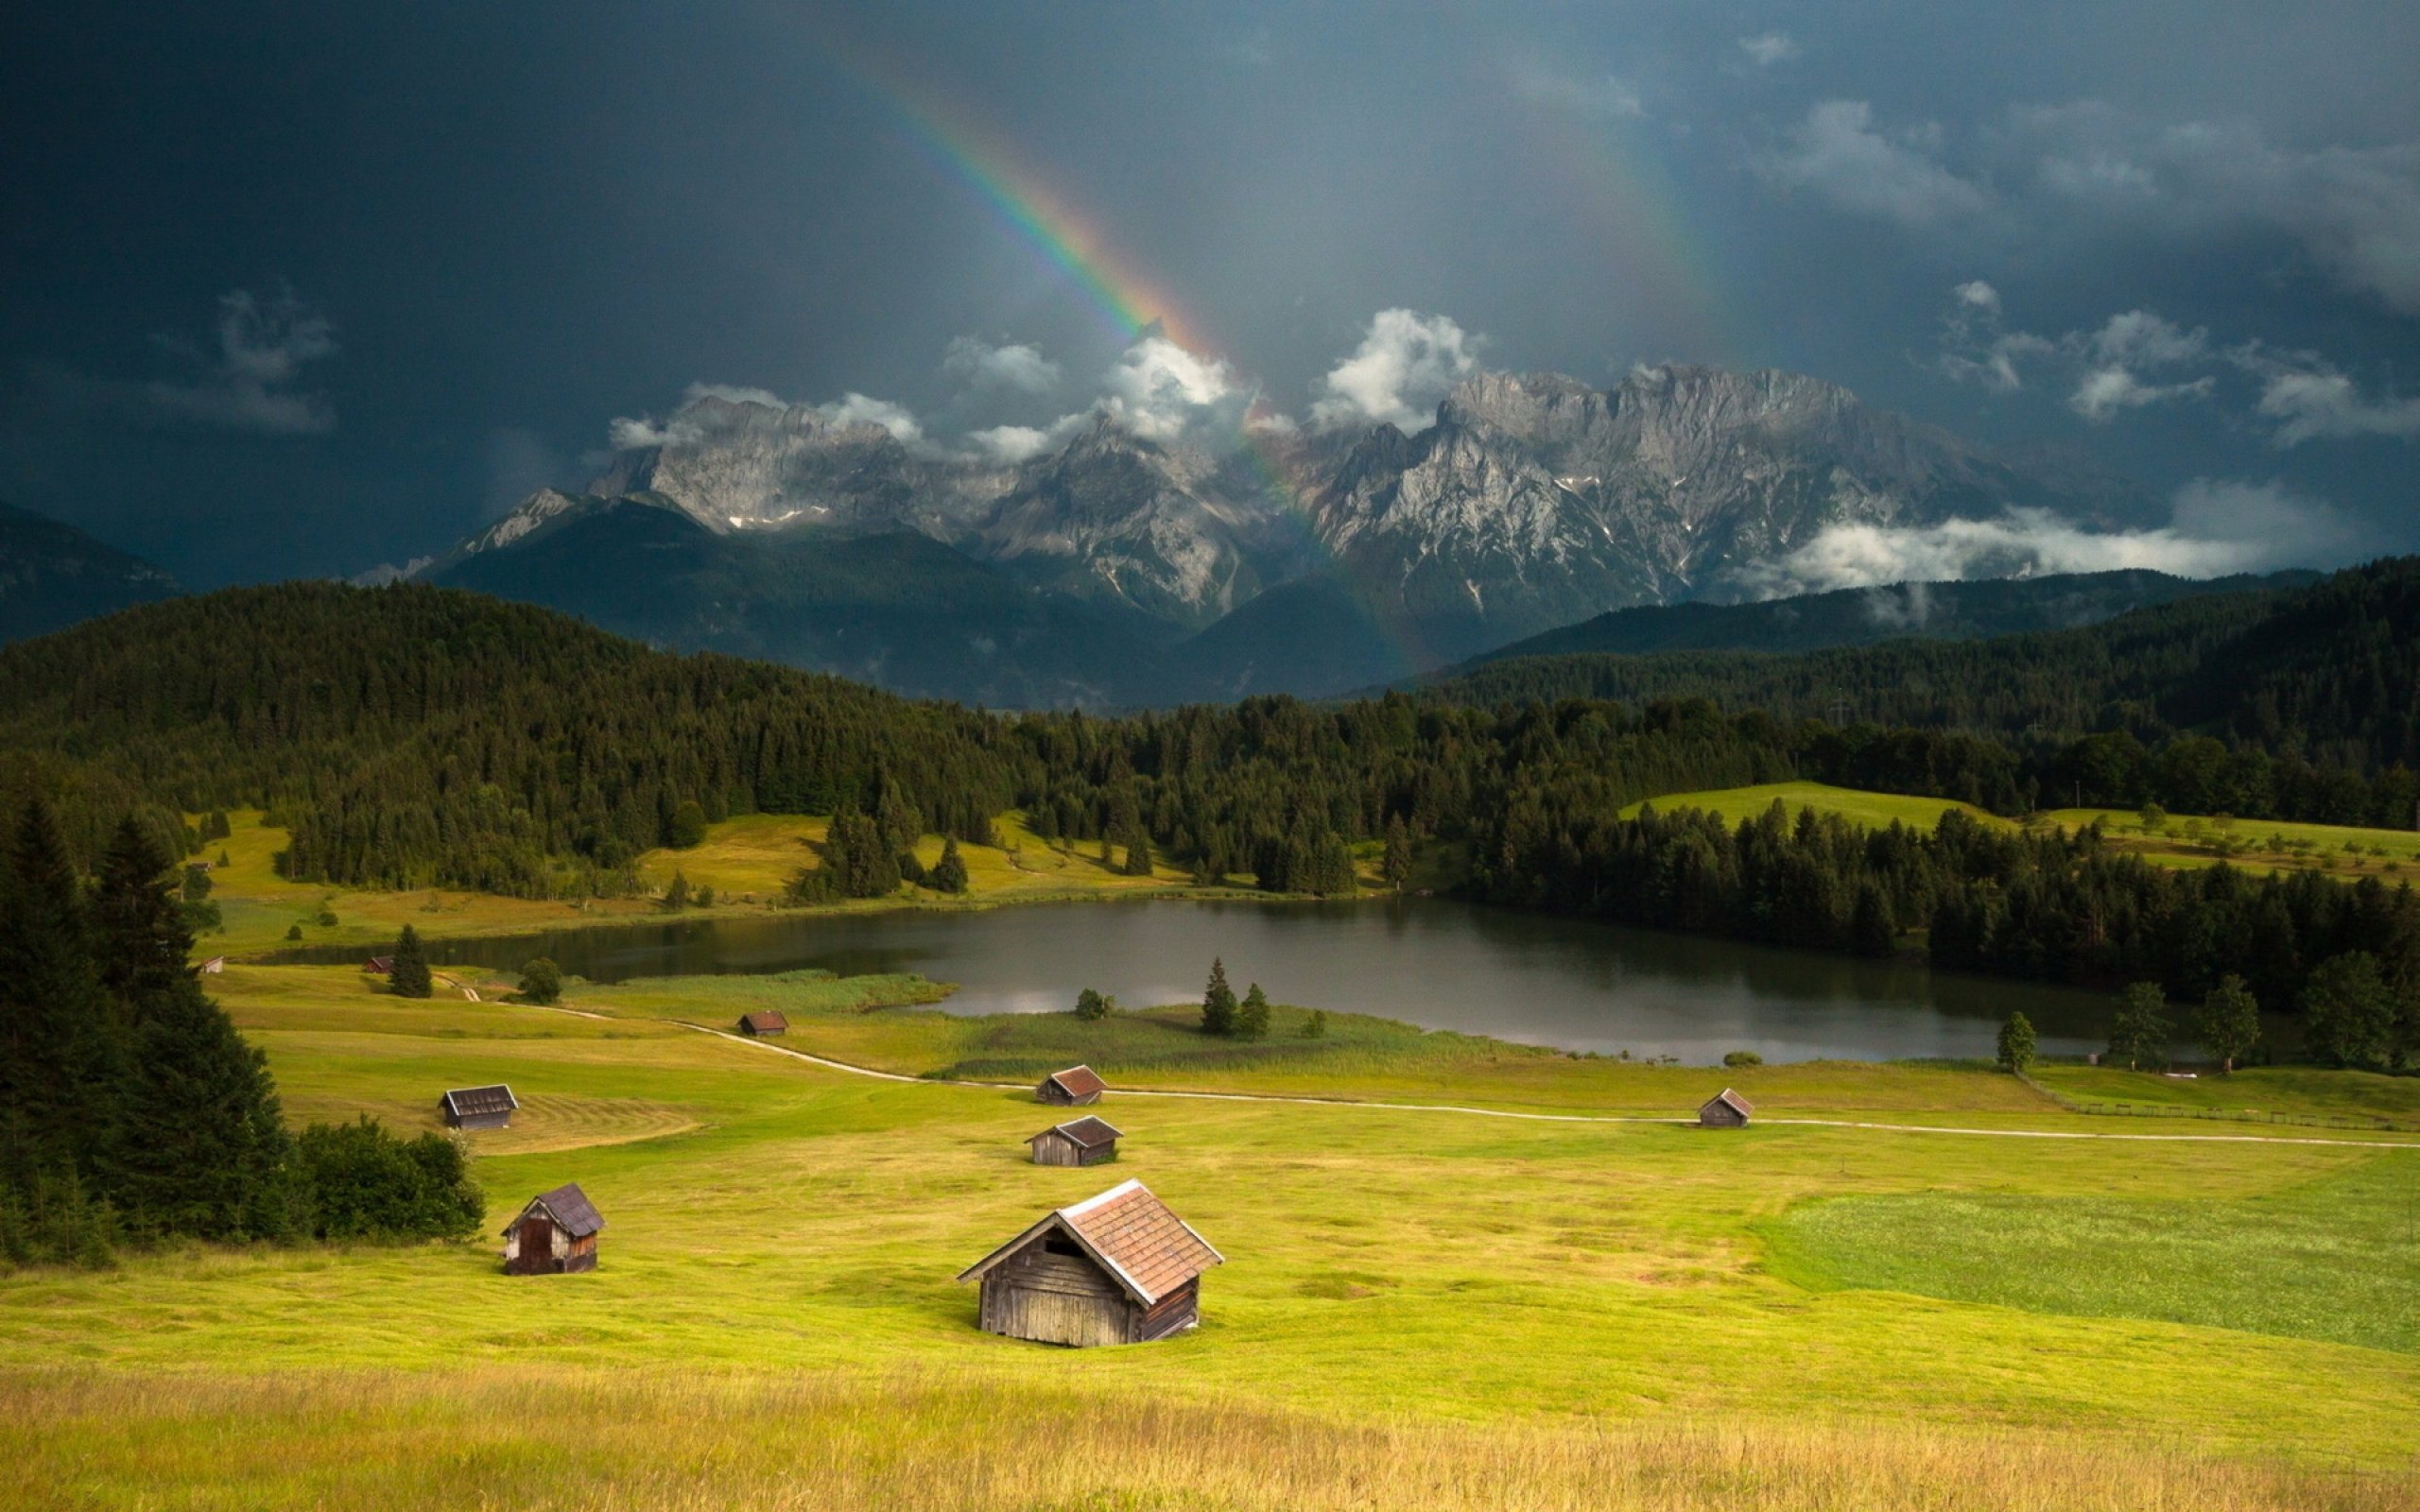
(1382, 1262)
(2184, 841)
(745, 859)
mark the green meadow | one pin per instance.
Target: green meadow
(1420, 1307)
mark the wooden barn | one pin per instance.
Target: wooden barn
(757, 1025)
(1076, 1087)
(478, 1106)
(1086, 1142)
(1725, 1109)
(555, 1235)
(212, 967)
(379, 965)
(1118, 1268)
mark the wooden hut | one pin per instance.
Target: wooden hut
(1725, 1109)
(379, 965)
(1085, 1142)
(1076, 1087)
(1118, 1268)
(554, 1235)
(212, 967)
(478, 1106)
(758, 1024)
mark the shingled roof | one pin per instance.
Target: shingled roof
(1737, 1104)
(1079, 1081)
(471, 1102)
(1088, 1133)
(568, 1206)
(768, 1022)
(1147, 1249)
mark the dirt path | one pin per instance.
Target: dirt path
(1558, 1118)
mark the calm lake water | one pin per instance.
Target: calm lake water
(1433, 962)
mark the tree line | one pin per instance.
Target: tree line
(132, 1113)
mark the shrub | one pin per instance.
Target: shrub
(1738, 1059)
(688, 827)
(293, 932)
(541, 982)
(367, 1183)
(1090, 1004)
(1315, 1027)
(2016, 1043)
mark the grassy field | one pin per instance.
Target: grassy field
(2257, 845)
(747, 861)
(1420, 1309)
(1875, 809)
(2180, 840)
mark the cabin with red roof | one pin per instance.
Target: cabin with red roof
(1076, 1087)
(756, 1025)
(1117, 1268)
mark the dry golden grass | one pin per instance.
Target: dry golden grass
(509, 1437)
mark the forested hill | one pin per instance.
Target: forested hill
(1969, 610)
(2329, 673)
(414, 735)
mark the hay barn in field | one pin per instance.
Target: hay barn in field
(1085, 1142)
(379, 965)
(1076, 1087)
(554, 1235)
(478, 1106)
(212, 967)
(759, 1024)
(1725, 1109)
(1118, 1268)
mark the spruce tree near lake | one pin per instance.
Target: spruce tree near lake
(2229, 1023)
(2016, 1043)
(1219, 1002)
(949, 873)
(407, 976)
(1251, 1019)
(2139, 1033)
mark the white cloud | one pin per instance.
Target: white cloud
(1016, 367)
(1605, 97)
(1975, 349)
(1160, 390)
(857, 409)
(2217, 527)
(1769, 48)
(1838, 153)
(263, 347)
(1403, 367)
(2124, 349)
(687, 424)
(1978, 295)
(2307, 398)
(1010, 443)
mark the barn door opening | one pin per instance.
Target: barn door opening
(537, 1244)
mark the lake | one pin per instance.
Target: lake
(1435, 962)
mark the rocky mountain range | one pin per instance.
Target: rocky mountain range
(1306, 562)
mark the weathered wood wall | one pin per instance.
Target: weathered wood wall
(1056, 1299)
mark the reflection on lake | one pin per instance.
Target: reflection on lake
(1434, 962)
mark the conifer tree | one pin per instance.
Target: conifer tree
(2016, 1043)
(407, 976)
(1395, 867)
(1315, 1027)
(56, 1063)
(1252, 1019)
(949, 873)
(2229, 1023)
(1139, 850)
(1219, 1002)
(676, 893)
(202, 1148)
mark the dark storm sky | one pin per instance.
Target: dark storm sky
(297, 289)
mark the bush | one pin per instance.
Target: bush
(327, 918)
(1315, 1027)
(541, 982)
(1090, 1004)
(687, 830)
(1738, 1059)
(2016, 1043)
(293, 932)
(365, 1183)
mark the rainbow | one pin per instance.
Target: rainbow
(1033, 212)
